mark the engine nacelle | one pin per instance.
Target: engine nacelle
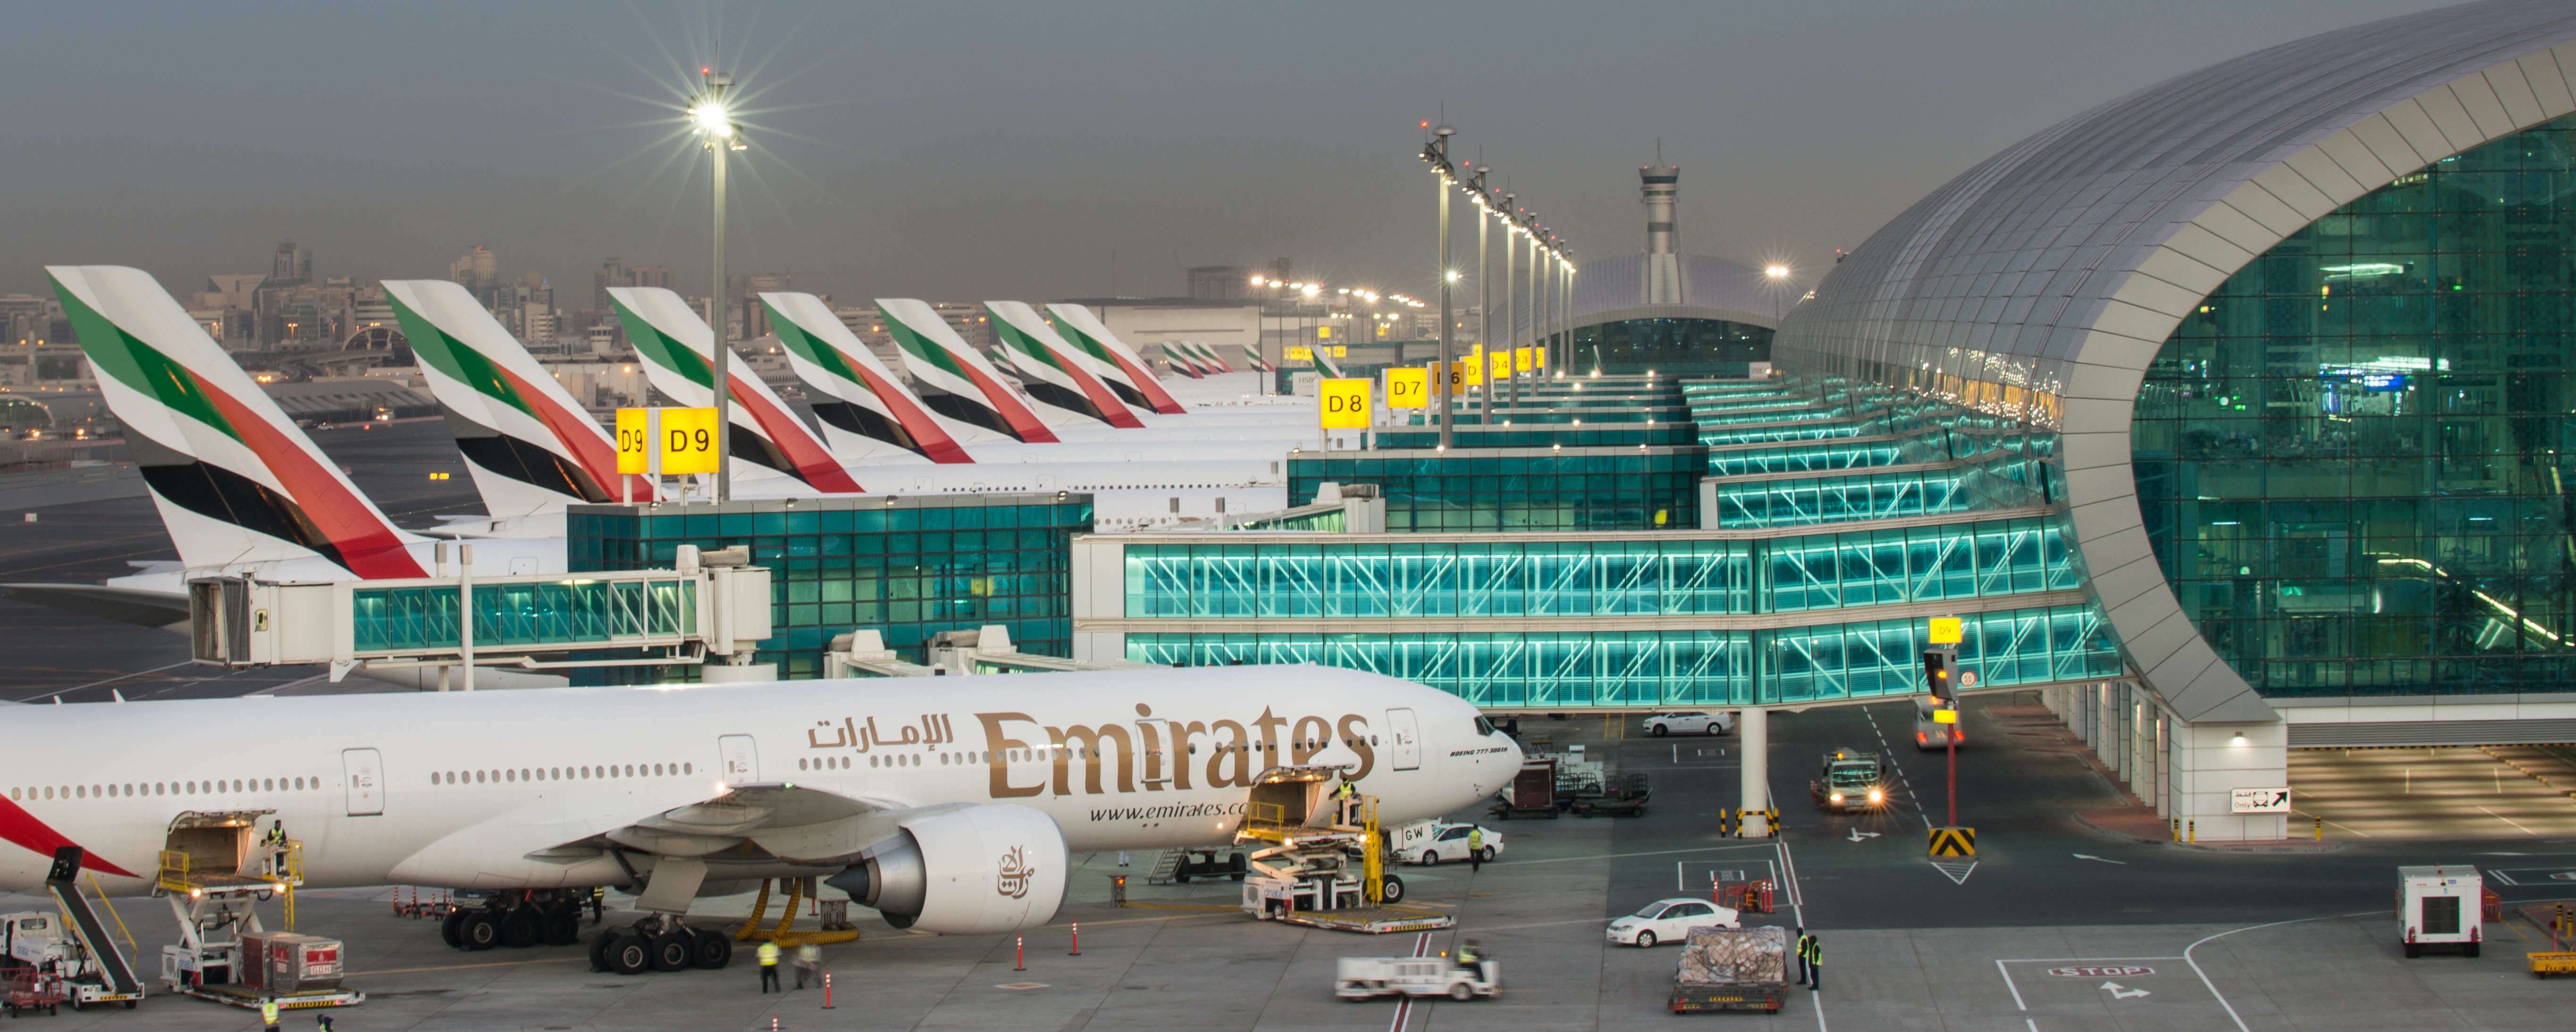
(979, 869)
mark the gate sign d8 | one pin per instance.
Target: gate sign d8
(688, 440)
(1345, 404)
(1407, 387)
(632, 431)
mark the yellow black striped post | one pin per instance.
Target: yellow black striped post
(1952, 842)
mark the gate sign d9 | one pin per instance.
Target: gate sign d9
(1345, 404)
(688, 440)
(1407, 387)
(632, 430)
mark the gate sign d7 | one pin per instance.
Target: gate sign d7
(1407, 387)
(2259, 800)
(1345, 404)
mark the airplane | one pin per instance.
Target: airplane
(953, 812)
(773, 451)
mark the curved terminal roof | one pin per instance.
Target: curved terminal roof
(1611, 289)
(2042, 282)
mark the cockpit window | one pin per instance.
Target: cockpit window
(1483, 726)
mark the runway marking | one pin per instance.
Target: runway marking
(2006, 972)
(2509, 820)
(467, 967)
(1624, 856)
(2332, 821)
(2213, 986)
(110, 680)
(1404, 1006)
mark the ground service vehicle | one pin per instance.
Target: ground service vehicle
(1669, 920)
(1532, 792)
(1930, 735)
(1361, 978)
(1732, 969)
(2440, 905)
(31, 989)
(1692, 723)
(1624, 796)
(1850, 781)
(1433, 842)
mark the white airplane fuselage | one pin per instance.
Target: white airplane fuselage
(479, 790)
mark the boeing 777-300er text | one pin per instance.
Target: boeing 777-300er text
(952, 811)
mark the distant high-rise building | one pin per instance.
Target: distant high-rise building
(291, 264)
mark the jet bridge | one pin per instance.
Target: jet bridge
(708, 605)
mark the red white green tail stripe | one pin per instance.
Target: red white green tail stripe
(1077, 326)
(952, 379)
(774, 452)
(531, 446)
(235, 481)
(864, 408)
(1054, 372)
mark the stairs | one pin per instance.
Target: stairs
(1165, 866)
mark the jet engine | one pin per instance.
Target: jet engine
(971, 870)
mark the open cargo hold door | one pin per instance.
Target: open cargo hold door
(1288, 798)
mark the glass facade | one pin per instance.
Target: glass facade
(2353, 458)
(1669, 347)
(1573, 489)
(1819, 457)
(1370, 578)
(1863, 659)
(511, 615)
(908, 566)
(1667, 434)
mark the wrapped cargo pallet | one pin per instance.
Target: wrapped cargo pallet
(1735, 955)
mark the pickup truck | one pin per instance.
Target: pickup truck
(1850, 781)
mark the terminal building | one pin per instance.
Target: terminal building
(2288, 340)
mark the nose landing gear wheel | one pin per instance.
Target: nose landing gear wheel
(712, 951)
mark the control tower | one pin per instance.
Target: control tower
(1660, 184)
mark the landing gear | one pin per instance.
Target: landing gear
(713, 951)
(519, 928)
(659, 943)
(450, 929)
(516, 920)
(561, 925)
(480, 930)
(627, 954)
(672, 950)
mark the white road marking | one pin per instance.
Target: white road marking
(2096, 859)
(2122, 992)
(1404, 1005)
(2509, 820)
(1624, 856)
(110, 680)
(2213, 986)
(1858, 835)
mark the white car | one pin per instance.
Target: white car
(1669, 920)
(1662, 724)
(1443, 841)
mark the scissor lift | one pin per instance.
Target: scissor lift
(217, 903)
(1302, 875)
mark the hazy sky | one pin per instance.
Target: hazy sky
(965, 150)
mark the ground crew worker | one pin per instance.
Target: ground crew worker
(1348, 797)
(1801, 950)
(809, 962)
(276, 843)
(268, 1012)
(1476, 848)
(1816, 963)
(1467, 955)
(768, 967)
(322, 1022)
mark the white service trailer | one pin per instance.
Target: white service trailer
(2440, 904)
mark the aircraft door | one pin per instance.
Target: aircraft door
(741, 759)
(366, 771)
(1404, 735)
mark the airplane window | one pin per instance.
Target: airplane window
(688, 768)
(800, 764)
(657, 770)
(630, 770)
(49, 791)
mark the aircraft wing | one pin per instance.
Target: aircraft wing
(135, 606)
(540, 843)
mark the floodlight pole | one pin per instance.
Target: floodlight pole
(719, 145)
(1440, 168)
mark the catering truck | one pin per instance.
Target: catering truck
(2440, 905)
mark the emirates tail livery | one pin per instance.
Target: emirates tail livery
(773, 451)
(954, 811)
(531, 447)
(1080, 328)
(1056, 372)
(865, 409)
(955, 381)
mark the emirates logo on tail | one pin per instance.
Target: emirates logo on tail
(1015, 873)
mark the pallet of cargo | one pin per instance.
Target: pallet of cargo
(1369, 920)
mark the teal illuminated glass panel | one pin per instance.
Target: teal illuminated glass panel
(839, 564)
(2353, 456)
(1665, 434)
(512, 615)
(1503, 577)
(1820, 457)
(1858, 660)
(1843, 499)
(1715, 436)
(1622, 489)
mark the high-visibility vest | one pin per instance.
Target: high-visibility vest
(1476, 840)
(769, 954)
(268, 1012)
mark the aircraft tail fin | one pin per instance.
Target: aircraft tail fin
(864, 408)
(234, 479)
(531, 446)
(1055, 372)
(1079, 327)
(774, 451)
(952, 379)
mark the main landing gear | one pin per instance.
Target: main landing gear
(659, 943)
(516, 920)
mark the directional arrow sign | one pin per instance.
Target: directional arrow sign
(2121, 992)
(2100, 860)
(1858, 835)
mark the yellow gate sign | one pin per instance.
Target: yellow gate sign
(633, 433)
(1346, 404)
(688, 440)
(1542, 356)
(1502, 361)
(1407, 387)
(1469, 372)
(1946, 630)
(1958, 842)
(1521, 359)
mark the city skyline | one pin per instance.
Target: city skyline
(953, 154)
